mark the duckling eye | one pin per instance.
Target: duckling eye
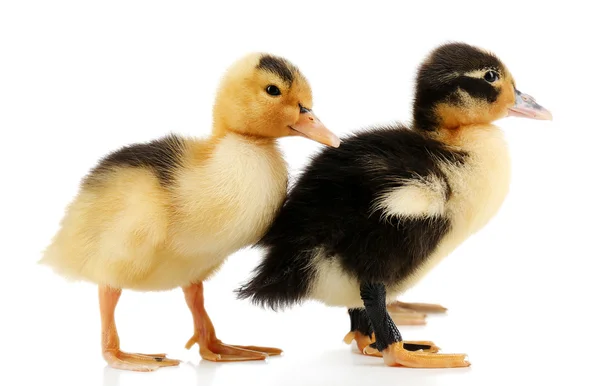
(491, 76)
(273, 90)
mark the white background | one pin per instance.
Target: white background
(80, 78)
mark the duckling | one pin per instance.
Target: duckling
(166, 213)
(366, 221)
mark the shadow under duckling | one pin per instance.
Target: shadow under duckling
(164, 214)
(365, 222)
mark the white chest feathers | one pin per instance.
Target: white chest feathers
(228, 202)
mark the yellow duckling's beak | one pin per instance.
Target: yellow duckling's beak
(526, 107)
(309, 126)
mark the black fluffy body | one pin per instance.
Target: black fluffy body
(330, 210)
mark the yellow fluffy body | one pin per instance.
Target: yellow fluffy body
(130, 232)
(129, 229)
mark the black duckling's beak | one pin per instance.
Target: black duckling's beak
(526, 107)
(309, 126)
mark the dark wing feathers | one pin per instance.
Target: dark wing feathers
(163, 156)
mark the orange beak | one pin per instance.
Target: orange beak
(309, 126)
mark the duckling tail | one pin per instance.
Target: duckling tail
(281, 280)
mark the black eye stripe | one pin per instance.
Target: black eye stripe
(478, 88)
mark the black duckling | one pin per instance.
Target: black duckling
(364, 222)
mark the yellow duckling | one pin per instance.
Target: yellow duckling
(167, 213)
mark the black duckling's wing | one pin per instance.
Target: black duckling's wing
(335, 208)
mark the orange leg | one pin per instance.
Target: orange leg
(211, 348)
(110, 339)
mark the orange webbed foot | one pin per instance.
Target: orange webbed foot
(217, 351)
(397, 355)
(137, 362)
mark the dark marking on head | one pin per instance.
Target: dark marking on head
(163, 156)
(278, 66)
(478, 88)
(457, 58)
(442, 75)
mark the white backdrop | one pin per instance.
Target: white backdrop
(79, 79)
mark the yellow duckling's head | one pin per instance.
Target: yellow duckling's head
(266, 96)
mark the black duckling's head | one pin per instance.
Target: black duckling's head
(459, 85)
